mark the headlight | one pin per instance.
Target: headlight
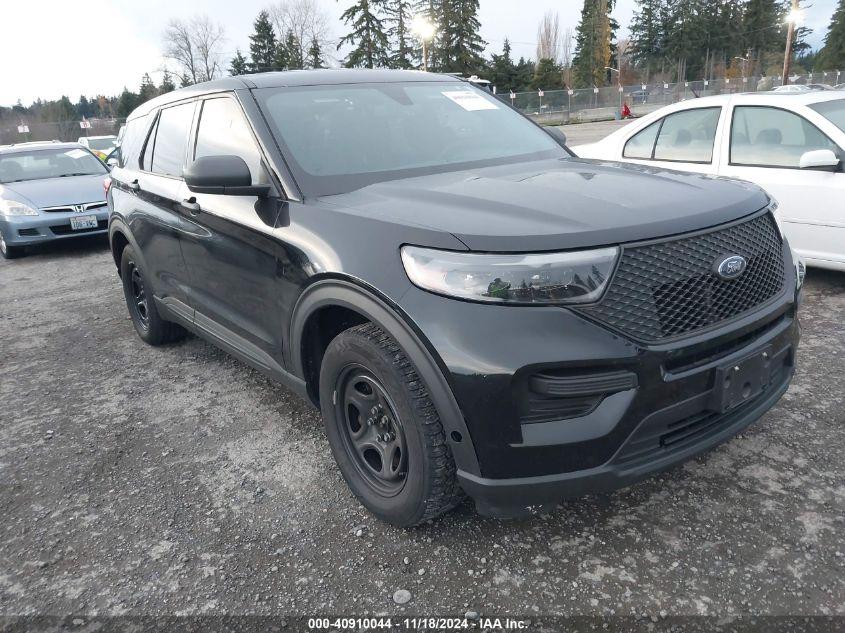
(11, 207)
(773, 207)
(542, 278)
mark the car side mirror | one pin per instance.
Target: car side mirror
(222, 175)
(111, 163)
(819, 159)
(556, 133)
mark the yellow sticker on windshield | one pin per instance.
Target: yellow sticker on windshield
(470, 100)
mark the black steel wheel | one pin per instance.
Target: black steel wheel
(149, 324)
(372, 431)
(384, 430)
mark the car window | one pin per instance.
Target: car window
(134, 135)
(171, 140)
(641, 145)
(223, 131)
(770, 137)
(688, 136)
(833, 111)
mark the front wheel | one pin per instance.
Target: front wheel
(384, 431)
(142, 308)
(8, 251)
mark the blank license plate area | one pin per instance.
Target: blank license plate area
(743, 380)
(83, 222)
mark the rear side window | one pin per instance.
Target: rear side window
(641, 145)
(171, 140)
(688, 136)
(771, 137)
(223, 131)
(134, 135)
(833, 111)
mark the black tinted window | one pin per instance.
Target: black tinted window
(171, 139)
(133, 140)
(223, 131)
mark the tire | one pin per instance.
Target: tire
(10, 252)
(152, 329)
(363, 358)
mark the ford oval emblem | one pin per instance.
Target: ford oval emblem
(731, 266)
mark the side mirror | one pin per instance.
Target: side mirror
(222, 175)
(111, 163)
(819, 159)
(556, 133)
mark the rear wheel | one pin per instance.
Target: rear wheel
(384, 430)
(142, 308)
(8, 251)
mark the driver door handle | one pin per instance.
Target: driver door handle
(191, 205)
(134, 187)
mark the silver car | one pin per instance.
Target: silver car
(49, 191)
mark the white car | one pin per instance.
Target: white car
(792, 145)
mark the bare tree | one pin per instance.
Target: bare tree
(548, 37)
(307, 20)
(566, 56)
(195, 45)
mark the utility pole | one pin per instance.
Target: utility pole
(791, 20)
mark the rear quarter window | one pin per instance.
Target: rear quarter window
(133, 140)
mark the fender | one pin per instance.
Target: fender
(390, 318)
(117, 224)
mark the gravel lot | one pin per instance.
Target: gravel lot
(139, 480)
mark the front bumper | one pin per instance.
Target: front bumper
(665, 413)
(22, 230)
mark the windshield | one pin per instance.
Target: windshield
(341, 138)
(101, 144)
(48, 163)
(833, 111)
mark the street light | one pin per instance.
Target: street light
(793, 18)
(424, 30)
(619, 82)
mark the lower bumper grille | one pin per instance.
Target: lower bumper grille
(65, 229)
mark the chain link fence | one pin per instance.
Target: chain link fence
(22, 130)
(598, 104)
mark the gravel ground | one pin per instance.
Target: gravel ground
(138, 480)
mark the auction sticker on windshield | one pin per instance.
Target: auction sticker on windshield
(469, 100)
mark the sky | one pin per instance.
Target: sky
(50, 48)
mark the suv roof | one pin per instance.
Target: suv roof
(290, 78)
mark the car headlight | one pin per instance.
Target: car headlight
(12, 207)
(541, 278)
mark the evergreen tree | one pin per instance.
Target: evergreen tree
(84, 108)
(503, 71)
(367, 36)
(239, 65)
(126, 102)
(524, 74)
(263, 44)
(315, 55)
(832, 55)
(148, 89)
(548, 75)
(296, 59)
(167, 84)
(398, 17)
(462, 46)
(762, 27)
(281, 61)
(593, 42)
(647, 36)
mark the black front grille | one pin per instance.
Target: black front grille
(670, 288)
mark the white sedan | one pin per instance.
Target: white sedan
(792, 145)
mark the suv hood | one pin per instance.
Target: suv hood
(55, 192)
(556, 204)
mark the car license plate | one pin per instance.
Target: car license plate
(83, 222)
(742, 380)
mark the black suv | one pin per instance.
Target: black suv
(473, 308)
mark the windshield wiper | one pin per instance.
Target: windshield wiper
(77, 174)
